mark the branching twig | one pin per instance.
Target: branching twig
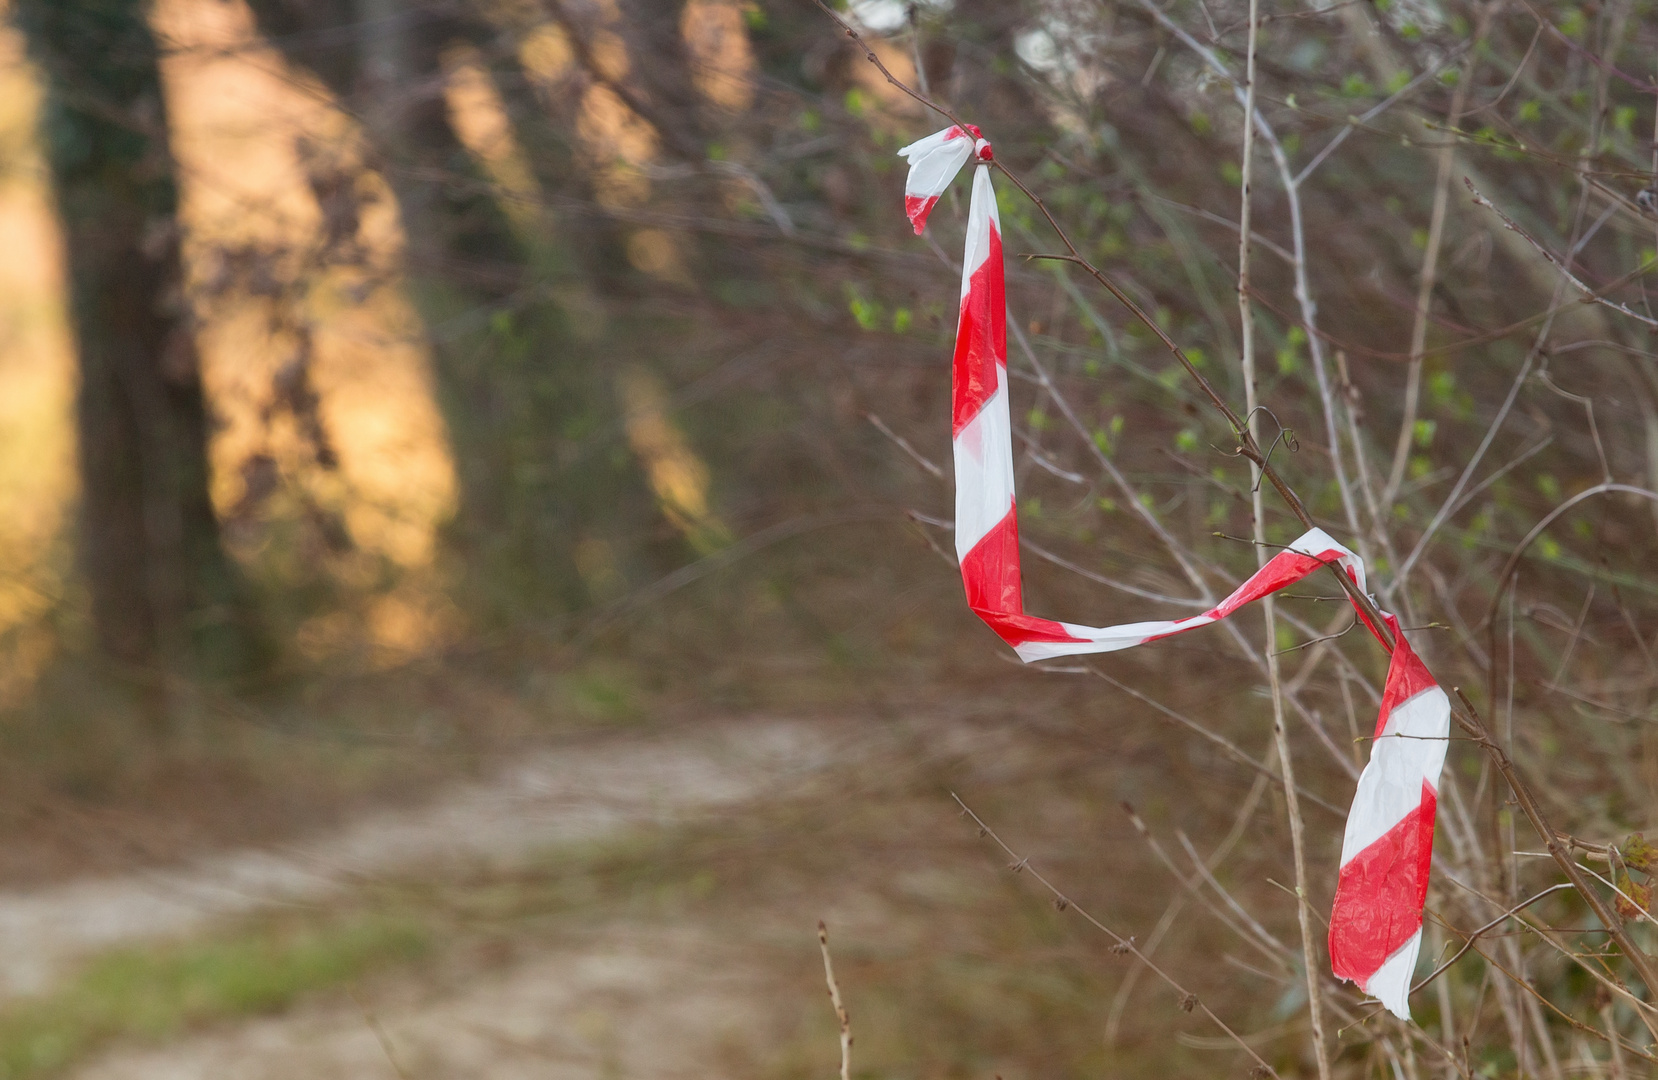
(1247, 445)
(1188, 1001)
(1477, 934)
(1249, 448)
(1235, 918)
(1590, 295)
(1532, 808)
(1227, 746)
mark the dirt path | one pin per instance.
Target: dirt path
(625, 1003)
(576, 793)
(644, 908)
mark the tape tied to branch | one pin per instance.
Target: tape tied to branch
(1376, 921)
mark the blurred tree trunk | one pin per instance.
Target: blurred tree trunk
(518, 389)
(661, 70)
(164, 596)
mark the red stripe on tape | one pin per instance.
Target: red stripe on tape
(1379, 896)
(990, 571)
(981, 339)
(918, 208)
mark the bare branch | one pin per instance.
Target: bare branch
(1590, 296)
(1188, 1001)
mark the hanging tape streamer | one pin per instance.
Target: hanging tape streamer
(1376, 923)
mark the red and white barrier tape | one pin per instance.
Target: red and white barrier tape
(1376, 924)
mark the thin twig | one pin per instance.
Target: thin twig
(835, 998)
(381, 1037)
(1172, 912)
(1026, 544)
(1249, 448)
(1188, 1001)
(1429, 277)
(1354, 123)
(1227, 746)
(1588, 404)
(1238, 921)
(1246, 318)
(1477, 934)
(1590, 295)
(904, 445)
(1450, 504)
(1532, 808)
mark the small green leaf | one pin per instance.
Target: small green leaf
(1356, 85)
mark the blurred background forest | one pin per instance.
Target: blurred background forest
(397, 392)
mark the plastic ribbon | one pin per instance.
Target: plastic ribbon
(1376, 922)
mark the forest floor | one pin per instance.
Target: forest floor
(641, 901)
(615, 997)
